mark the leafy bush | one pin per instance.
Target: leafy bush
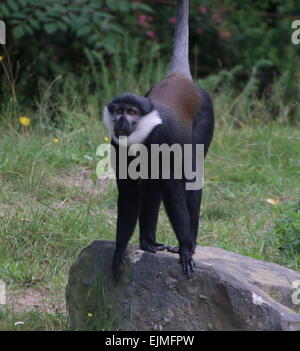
(82, 19)
(50, 38)
(259, 94)
(223, 34)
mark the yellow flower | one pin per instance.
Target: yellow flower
(56, 140)
(106, 139)
(25, 121)
(90, 314)
(1, 58)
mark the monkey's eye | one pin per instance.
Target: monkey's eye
(131, 112)
(119, 111)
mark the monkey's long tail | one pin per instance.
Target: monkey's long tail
(180, 57)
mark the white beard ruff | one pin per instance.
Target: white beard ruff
(144, 127)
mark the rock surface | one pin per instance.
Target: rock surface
(227, 292)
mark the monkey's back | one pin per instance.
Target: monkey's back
(180, 95)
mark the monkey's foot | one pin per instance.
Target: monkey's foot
(188, 264)
(152, 247)
(173, 249)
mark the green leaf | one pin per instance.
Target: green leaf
(62, 26)
(18, 32)
(50, 28)
(41, 16)
(112, 4)
(143, 7)
(109, 45)
(12, 5)
(35, 24)
(4, 11)
(114, 27)
(100, 15)
(123, 6)
(20, 15)
(28, 29)
(83, 31)
(98, 3)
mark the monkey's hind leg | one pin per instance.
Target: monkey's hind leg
(193, 199)
(175, 203)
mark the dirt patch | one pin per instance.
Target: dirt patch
(34, 300)
(82, 177)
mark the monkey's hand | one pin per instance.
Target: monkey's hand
(117, 263)
(187, 262)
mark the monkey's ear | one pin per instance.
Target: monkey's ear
(150, 104)
(145, 105)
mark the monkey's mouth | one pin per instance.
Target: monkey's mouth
(121, 132)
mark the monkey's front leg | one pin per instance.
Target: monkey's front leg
(151, 199)
(128, 211)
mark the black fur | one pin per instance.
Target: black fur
(141, 199)
(144, 104)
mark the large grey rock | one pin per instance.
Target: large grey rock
(227, 292)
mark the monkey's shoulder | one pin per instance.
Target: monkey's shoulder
(171, 129)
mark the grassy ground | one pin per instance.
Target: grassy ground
(52, 205)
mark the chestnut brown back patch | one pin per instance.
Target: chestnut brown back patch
(180, 95)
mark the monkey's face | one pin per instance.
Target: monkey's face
(132, 116)
(125, 118)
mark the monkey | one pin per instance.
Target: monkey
(173, 111)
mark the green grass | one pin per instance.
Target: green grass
(249, 166)
(46, 223)
(47, 217)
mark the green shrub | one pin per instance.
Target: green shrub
(247, 42)
(50, 36)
